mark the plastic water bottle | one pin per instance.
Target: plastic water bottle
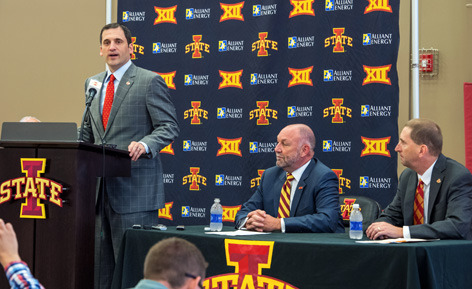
(355, 223)
(216, 219)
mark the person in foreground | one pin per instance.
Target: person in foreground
(173, 263)
(434, 195)
(18, 273)
(299, 194)
(132, 110)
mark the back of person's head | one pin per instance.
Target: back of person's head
(172, 260)
(427, 132)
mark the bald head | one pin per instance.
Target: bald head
(295, 146)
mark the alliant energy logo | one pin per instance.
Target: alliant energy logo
(300, 76)
(227, 113)
(299, 111)
(165, 15)
(33, 188)
(336, 146)
(343, 182)
(331, 75)
(263, 113)
(338, 41)
(378, 5)
(162, 48)
(301, 41)
(375, 146)
(232, 11)
(377, 39)
(256, 181)
(248, 258)
(194, 179)
(339, 5)
(197, 47)
(191, 212)
(302, 7)
(168, 150)
(196, 113)
(366, 182)
(195, 13)
(168, 178)
(368, 110)
(229, 146)
(263, 45)
(168, 78)
(231, 79)
(229, 213)
(264, 10)
(193, 79)
(165, 213)
(131, 16)
(225, 180)
(264, 78)
(337, 111)
(136, 48)
(346, 208)
(194, 146)
(377, 74)
(256, 147)
(230, 45)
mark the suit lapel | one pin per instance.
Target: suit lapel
(437, 178)
(121, 93)
(410, 198)
(300, 188)
(280, 180)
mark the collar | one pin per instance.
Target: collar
(119, 72)
(297, 174)
(426, 177)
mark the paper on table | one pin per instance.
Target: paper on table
(238, 233)
(395, 241)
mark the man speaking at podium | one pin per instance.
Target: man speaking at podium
(132, 109)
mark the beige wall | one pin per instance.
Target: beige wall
(49, 47)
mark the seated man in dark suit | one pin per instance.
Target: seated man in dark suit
(434, 195)
(300, 194)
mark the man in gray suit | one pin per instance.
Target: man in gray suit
(434, 195)
(133, 111)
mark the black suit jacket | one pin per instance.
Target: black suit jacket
(450, 202)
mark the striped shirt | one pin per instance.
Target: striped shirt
(20, 277)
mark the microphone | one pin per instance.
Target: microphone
(92, 89)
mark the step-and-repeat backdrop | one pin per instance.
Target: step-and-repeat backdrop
(239, 71)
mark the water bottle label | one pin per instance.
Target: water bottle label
(216, 218)
(356, 226)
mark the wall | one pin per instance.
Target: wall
(51, 46)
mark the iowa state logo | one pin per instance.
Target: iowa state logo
(377, 74)
(248, 258)
(232, 11)
(256, 181)
(263, 113)
(337, 111)
(339, 40)
(165, 213)
(300, 76)
(136, 48)
(197, 47)
(194, 179)
(263, 44)
(168, 78)
(378, 5)
(165, 15)
(302, 7)
(33, 188)
(196, 113)
(343, 182)
(375, 146)
(346, 208)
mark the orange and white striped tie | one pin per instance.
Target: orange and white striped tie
(418, 207)
(284, 205)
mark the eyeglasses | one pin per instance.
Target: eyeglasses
(200, 285)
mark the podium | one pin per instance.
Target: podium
(59, 246)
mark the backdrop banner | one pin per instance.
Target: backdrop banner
(239, 71)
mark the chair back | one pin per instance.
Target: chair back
(370, 209)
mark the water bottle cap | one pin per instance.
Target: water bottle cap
(355, 206)
(217, 200)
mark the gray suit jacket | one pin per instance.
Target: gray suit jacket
(450, 202)
(142, 111)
